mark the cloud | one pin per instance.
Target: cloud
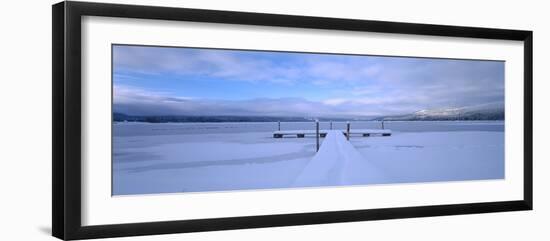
(133, 101)
(128, 94)
(250, 66)
(337, 84)
(221, 64)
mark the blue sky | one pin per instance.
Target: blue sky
(194, 81)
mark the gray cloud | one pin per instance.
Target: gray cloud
(366, 86)
(135, 102)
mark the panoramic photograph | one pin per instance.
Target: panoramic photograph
(188, 119)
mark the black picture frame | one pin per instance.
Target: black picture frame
(67, 134)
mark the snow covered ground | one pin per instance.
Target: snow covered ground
(436, 156)
(196, 157)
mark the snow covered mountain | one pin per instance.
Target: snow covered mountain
(490, 111)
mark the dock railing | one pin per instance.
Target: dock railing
(323, 133)
(348, 132)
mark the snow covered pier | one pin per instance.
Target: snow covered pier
(323, 133)
(338, 163)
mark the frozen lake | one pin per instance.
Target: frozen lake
(194, 157)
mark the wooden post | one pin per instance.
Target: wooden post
(382, 124)
(347, 131)
(279, 122)
(317, 133)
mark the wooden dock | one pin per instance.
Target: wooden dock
(338, 163)
(323, 133)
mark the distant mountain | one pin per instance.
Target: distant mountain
(479, 112)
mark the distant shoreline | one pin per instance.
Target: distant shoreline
(335, 121)
(119, 117)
